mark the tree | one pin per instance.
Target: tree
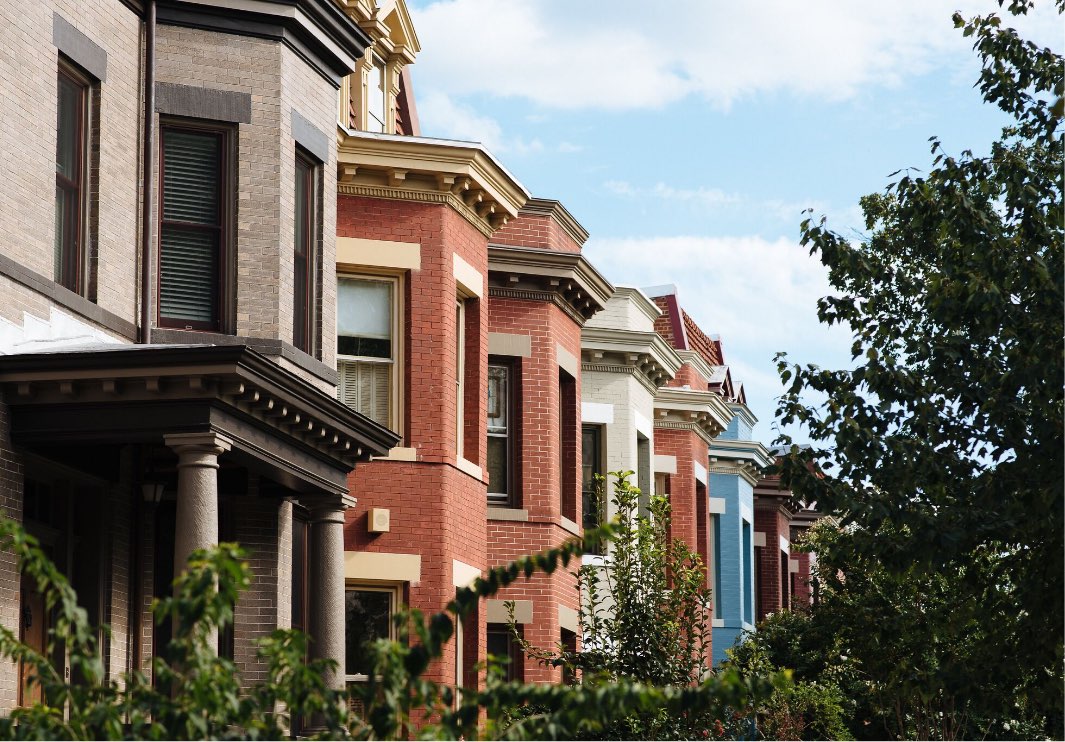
(645, 616)
(199, 695)
(943, 445)
(894, 649)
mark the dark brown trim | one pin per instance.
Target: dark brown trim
(66, 298)
(267, 347)
(223, 228)
(329, 21)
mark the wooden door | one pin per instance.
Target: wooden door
(32, 630)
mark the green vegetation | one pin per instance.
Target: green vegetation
(941, 449)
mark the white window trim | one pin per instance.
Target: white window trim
(397, 401)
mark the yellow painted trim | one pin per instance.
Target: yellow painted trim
(367, 565)
(354, 252)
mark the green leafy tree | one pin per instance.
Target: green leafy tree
(943, 445)
(645, 616)
(199, 695)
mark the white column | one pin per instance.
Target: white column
(327, 615)
(196, 525)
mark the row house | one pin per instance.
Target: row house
(785, 579)
(460, 305)
(168, 359)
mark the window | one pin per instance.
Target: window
(366, 347)
(749, 586)
(300, 572)
(568, 424)
(500, 433)
(643, 471)
(505, 647)
(192, 231)
(304, 315)
(592, 489)
(715, 572)
(376, 97)
(785, 576)
(460, 373)
(73, 127)
(367, 617)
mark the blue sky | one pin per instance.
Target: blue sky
(687, 136)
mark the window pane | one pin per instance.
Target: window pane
(364, 313)
(68, 128)
(188, 274)
(365, 386)
(376, 92)
(497, 466)
(301, 260)
(497, 399)
(367, 616)
(190, 176)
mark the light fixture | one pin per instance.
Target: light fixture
(153, 492)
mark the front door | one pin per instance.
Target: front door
(32, 632)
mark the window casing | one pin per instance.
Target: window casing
(74, 127)
(592, 486)
(368, 347)
(505, 647)
(377, 97)
(715, 568)
(368, 611)
(304, 254)
(194, 202)
(501, 433)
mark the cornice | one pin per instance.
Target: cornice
(319, 31)
(646, 351)
(751, 456)
(744, 412)
(647, 382)
(566, 275)
(555, 210)
(463, 175)
(639, 299)
(704, 410)
(743, 469)
(699, 363)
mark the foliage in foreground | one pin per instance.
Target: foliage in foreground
(200, 695)
(645, 617)
(942, 447)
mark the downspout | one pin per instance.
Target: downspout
(148, 184)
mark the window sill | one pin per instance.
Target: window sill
(468, 467)
(399, 453)
(569, 525)
(498, 513)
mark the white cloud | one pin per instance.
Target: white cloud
(620, 55)
(759, 295)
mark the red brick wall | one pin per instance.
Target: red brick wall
(771, 520)
(535, 230)
(437, 510)
(540, 482)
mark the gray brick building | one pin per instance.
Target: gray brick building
(165, 380)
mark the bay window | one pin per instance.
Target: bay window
(366, 345)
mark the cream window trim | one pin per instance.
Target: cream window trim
(354, 253)
(569, 525)
(399, 453)
(462, 574)
(397, 402)
(568, 619)
(469, 281)
(717, 505)
(507, 344)
(567, 361)
(362, 566)
(468, 467)
(665, 464)
(496, 611)
(759, 539)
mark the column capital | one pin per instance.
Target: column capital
(328, 509)
(208, 442)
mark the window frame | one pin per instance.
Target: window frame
(70, 270)
(227, 136)
(312, 224)
(599, 469)
(393, 591)
(460, 376)
(396, 406)
(508, 498)
(381, 94)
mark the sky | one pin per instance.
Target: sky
(688, 136)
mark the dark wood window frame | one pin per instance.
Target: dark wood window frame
(509, 498)
(222, 227)
(72, 257)
(593, 492)
(304, 285)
